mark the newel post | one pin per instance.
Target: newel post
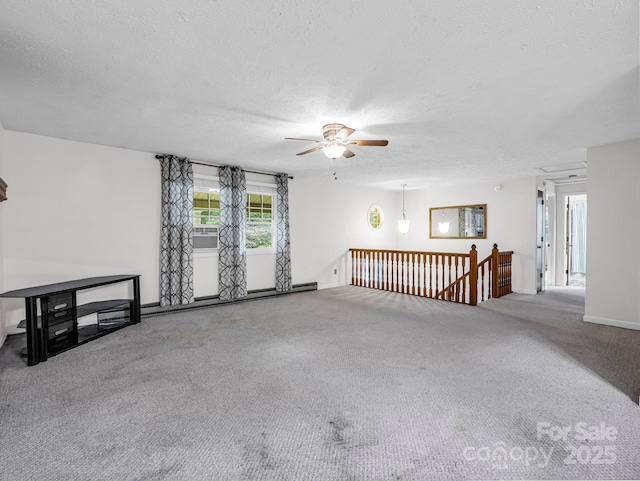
(494, 271)
(473, 276)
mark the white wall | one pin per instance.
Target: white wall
(82, 210)
(79, 210)
(327, 217)
(613, 266)
(261, 268)
(3, 333)
(510, 223)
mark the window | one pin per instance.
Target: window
(206, 218)
(260, 228)
(259, 221)
(374, 217)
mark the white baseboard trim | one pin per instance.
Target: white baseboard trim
(531, 292)
(612, 322)
(329, 286)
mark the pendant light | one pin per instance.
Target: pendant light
(443, 226)
(403, 222)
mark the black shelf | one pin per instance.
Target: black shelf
(87, 309)
(85, 334)
(57, 330)
(99, 306)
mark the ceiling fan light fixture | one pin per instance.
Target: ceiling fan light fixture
(333, 151)
(335, 142)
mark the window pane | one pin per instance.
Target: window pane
(206, 208)
(254, 200)
(210, 220)
(200, 200)
(206, 216)
(258, 235)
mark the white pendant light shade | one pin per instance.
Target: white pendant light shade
(403, 225)
(403, 222)
(443, 227)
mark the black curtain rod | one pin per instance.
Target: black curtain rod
(215, 165)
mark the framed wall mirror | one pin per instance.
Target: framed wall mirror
(458, 222)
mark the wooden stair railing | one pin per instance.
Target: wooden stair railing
(457, 290)
(502, 268)
(494, 274)
(449, 276)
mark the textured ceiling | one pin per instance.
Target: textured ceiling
(461, 89)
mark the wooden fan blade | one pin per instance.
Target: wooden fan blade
(306, 140)
(364, 143)
(344, 132)
(347, 153)
(310, 150)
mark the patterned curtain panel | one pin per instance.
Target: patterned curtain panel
(176, 243)
(232, 251)
(283, 251)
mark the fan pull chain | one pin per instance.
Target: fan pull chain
(335, 170)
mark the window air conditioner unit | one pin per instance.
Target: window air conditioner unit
(205, 237)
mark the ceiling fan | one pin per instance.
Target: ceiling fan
(336, 142)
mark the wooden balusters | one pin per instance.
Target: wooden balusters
(430, 275)
(396, 269)
(413, 273)
(402, 254)
(484, 266)
(449, 276)
(504, 276)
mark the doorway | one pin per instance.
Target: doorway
(576, 246)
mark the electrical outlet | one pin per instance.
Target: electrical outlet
(335, 272)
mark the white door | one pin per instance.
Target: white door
(540, 221)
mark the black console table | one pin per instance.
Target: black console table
(56, 329)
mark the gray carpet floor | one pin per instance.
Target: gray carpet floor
(341, 384)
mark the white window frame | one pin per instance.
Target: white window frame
(209, 183)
